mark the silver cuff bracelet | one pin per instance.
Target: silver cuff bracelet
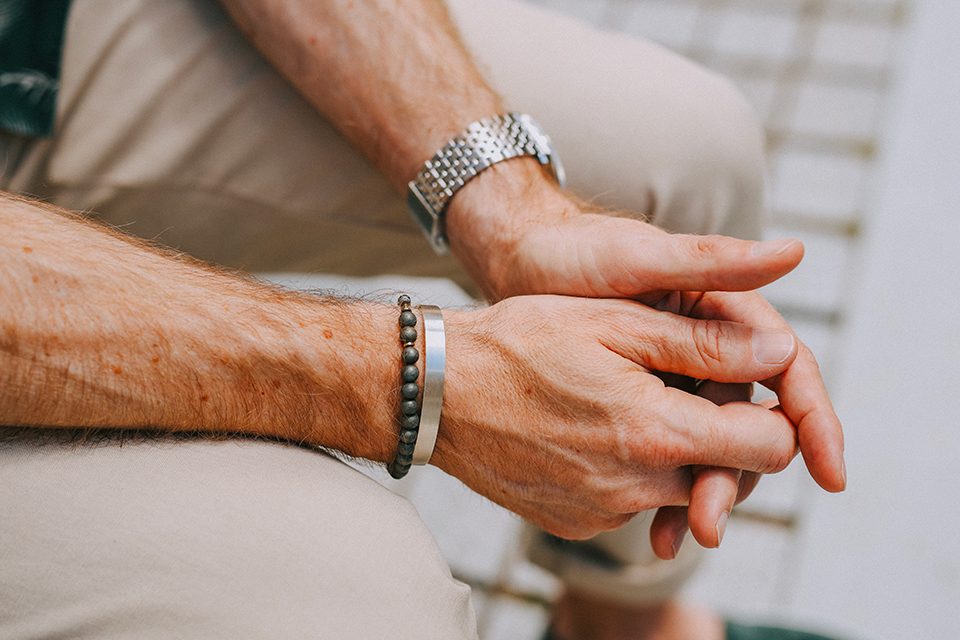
(434, 364)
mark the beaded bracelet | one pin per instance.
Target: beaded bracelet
(409, 391)
(419, 420)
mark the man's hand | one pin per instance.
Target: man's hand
(552, 410)
(519, 234)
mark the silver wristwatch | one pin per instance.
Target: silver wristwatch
(483, 144)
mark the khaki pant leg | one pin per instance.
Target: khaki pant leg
(218, 540)
(172, 125)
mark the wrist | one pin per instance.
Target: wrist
(488, 218)
(344, 390)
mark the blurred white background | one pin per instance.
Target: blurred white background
(861, 99)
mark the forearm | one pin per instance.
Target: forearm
(396, 80)
(392, 76)
(101, 330)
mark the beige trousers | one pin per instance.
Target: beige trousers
(172, 126)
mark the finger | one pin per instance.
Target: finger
(684, 262)
(667, 531)
(800, 389)
(712, 349)
(715, 489)
(711, 500)
(738, 435)
(748, 482)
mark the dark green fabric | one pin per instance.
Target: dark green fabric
(736, 631)
(31, 39)
(742, 632)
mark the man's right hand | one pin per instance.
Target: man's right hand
(552, 408)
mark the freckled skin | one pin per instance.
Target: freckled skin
(168, 335)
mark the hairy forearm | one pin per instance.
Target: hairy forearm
(392, 76)
(396, 80)
(98, 329)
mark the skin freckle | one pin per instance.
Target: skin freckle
(28, 249)
(117, 370)
(204, 398)
(35, 279)
(155, 359)
(312, 39)
(327, 334)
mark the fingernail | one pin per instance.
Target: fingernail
(722, 526)
(771, 346)
(843, 471)
(771, 247)
(677, 541)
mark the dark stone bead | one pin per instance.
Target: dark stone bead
(405, 448)
(410, 373)
(404, 460)
(410, 422)
(408, 334)
(410, 407)
(408, 436)
(408, 318)
(410, 391)
(397, 471)
(403, 299)
(410, 355)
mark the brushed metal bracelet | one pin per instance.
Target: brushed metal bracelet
(434, 368)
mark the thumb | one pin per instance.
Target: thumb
(681, 262)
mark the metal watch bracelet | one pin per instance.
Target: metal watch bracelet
(481, 145)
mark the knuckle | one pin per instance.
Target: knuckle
(708, 337)
(708, 246)
(703, 246)
(779, 459)
(655, 447)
